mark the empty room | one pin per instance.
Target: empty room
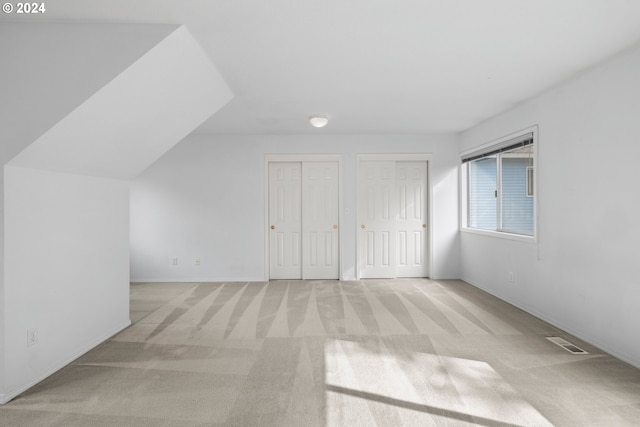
(329, 213)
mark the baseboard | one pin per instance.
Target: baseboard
(194, 279)
(445, 277)
(235, 279)
(6, 397)
(560, 325)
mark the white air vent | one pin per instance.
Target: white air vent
(567, 345)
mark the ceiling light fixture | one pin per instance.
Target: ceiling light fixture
(318, 120)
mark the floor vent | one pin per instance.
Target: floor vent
(567, 345)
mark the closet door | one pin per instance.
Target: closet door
(285, 205)
(411, 185)
(303, 220)
(320, 258)
(377, 219)
(392, 219)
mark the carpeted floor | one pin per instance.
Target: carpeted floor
(410, 352)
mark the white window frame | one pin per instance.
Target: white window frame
(464, 207)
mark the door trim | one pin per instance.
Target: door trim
(426, 157)
(268, 158)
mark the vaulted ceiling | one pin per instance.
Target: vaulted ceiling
(378, 66)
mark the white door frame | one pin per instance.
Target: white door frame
(268, 158)
(401, 157)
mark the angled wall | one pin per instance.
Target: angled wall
(48, 70)
(66, 273)
(66, 202)
(137, 117)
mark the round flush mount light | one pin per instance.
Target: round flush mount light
(318, 120)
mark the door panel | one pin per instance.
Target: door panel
(376, 219)
(411, 181)
(392, 219)
(285, 220)
(303, 214)
(320, 258)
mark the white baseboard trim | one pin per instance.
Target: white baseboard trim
(578, 334)
(193, 279)
(236, 279)
(445, 277)
(6, 397)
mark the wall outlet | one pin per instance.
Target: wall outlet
(174, 261)
(197, 261)
(512, 278)
(32, 337)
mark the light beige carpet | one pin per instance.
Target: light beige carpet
(410, 352)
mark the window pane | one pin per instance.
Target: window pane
(481, 188)
(517, 206)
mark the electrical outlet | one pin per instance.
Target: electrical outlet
(197, 261)
(174, 261)
(32, 337)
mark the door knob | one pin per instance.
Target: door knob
(362, 226)
(335, 226)
(424, 225)
(273, 227)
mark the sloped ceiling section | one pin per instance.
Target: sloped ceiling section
(135, 118)
(48, 69)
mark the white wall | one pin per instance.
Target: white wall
(48, 69)
(582, 273)
(205, 199)
(66, 259)
(60, 230)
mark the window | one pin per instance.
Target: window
(499, 187)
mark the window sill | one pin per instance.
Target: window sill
(500, 235)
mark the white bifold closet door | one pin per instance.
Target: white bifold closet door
(285, 216)
(376, 214)
(392, 216)
(303, 215)
(411, 223)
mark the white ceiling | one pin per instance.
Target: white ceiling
(379, 66)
